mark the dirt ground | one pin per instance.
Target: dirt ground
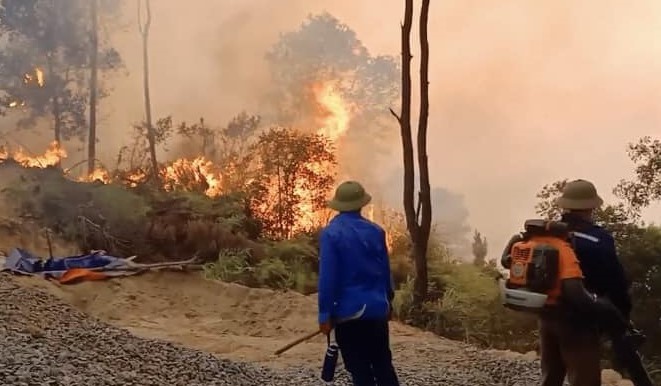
(229, 320)
(225, 319)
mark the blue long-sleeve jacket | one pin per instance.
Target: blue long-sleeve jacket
(354, 270)
(603, 273)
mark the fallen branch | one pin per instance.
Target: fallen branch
(133, 266)
(110, 239)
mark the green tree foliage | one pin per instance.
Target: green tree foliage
(479, 249)
(45, 59)
(292, 174)
(646, 188)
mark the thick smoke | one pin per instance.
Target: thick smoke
(522, 93)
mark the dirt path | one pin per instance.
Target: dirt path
(225, 319)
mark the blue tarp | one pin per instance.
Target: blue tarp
(20, 260)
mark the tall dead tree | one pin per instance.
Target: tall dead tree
(144, 31)
(94, 67)
(418, 214)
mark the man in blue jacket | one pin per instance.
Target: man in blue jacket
(355, 288)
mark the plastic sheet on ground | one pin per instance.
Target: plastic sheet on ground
(67, 270)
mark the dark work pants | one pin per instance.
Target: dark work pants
(365, 349)
(571, 351)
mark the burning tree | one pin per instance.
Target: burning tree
(43, 66)
(325, 52)
(418, 217)
(293, 173)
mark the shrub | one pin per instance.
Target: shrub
(232, 266)
(299, 257)
(469, 309)
(126, 221)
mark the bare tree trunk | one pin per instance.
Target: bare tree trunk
(404, 119)
(57, 121)
(423, 167)
(418, 217)
(54, 86)
(144, 31)
(94, 54)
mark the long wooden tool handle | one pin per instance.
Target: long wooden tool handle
(298, 341)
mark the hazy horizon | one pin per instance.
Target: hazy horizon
(522, 93)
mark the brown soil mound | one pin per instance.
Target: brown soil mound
(226, 319)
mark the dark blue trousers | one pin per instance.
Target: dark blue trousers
(365, 349)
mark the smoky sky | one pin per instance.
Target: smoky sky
(522, 93)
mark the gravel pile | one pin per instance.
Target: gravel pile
(44, 341)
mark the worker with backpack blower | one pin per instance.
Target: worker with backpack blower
(603, 273)
(545, 278)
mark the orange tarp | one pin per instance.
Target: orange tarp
(76, 275)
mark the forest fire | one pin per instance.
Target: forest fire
(200, 174)
(189, 173)
(335, 118)
(335, 109)
(37, 76)
(51, 157)
(98, 174)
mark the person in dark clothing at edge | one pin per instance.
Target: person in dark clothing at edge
(355, 288)
(594, 246)
(569, 334)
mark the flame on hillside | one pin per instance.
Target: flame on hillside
(189, 173)
(51, 157)
(98, 174)
(335, 118)
(336, 111)
(200, 174)
(16, 104)
(36, 76)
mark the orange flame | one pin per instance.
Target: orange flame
(335, 119)
(336, 110)
(51, 157)
(200, 174)
(99, 174)
(37, 76)
(184, 172)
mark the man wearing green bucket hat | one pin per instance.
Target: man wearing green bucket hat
(594, 245)
(578, 332)
(355, 288)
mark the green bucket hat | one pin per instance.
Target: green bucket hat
(579, 195)
(350, 196)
